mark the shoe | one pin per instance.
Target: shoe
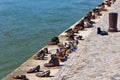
(75, 30)
(98, 30)
(57, 51)
(101, 32)
(79, 37)
(40, 55)
(53, 62)
(45, 50)
(78, 27)
(73, 47)
(22, 77)
(43, 74)
(36, 69)
(70, 36)
(60, 45)
(54, 41)
(104, 33)
(69, 30)
(65, 59)
(67, 46)
(68, 51)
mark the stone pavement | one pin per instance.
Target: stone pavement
(100, 59)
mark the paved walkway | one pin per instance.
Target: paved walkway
(100, 59)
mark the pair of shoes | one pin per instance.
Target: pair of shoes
(54, 41)
(78, 27)
(40, 55)
(70, 36)
(21, 77)
(54, 61)
(73, 47)
(43, 74)
(101, 32)
(36, 69)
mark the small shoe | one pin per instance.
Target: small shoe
(22, 77)
(18, 77)
(36, 69)
(45, 50)
(49, 65)
(65, 59)
(53, 62)
(98, 30)
(73, 47)
(43, 74)
(70, 38)
(79, 37)
(54, 41)
(103, 33)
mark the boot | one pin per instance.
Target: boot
(53, 62)
(98, 30)
(101, 32)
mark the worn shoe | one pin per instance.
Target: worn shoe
(99, 31)
(36, 69)
(53, 62)
(43, 74)
(40, 55)
(22, 77)
(70, 36)
(54, 41)
(79, 37)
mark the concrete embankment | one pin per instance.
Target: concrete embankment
(93, 60)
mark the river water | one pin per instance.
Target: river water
(27, 25)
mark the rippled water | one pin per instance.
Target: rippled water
(26, 26)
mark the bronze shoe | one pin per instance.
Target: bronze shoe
(53, 62)
(43, 74)
(36, 69)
